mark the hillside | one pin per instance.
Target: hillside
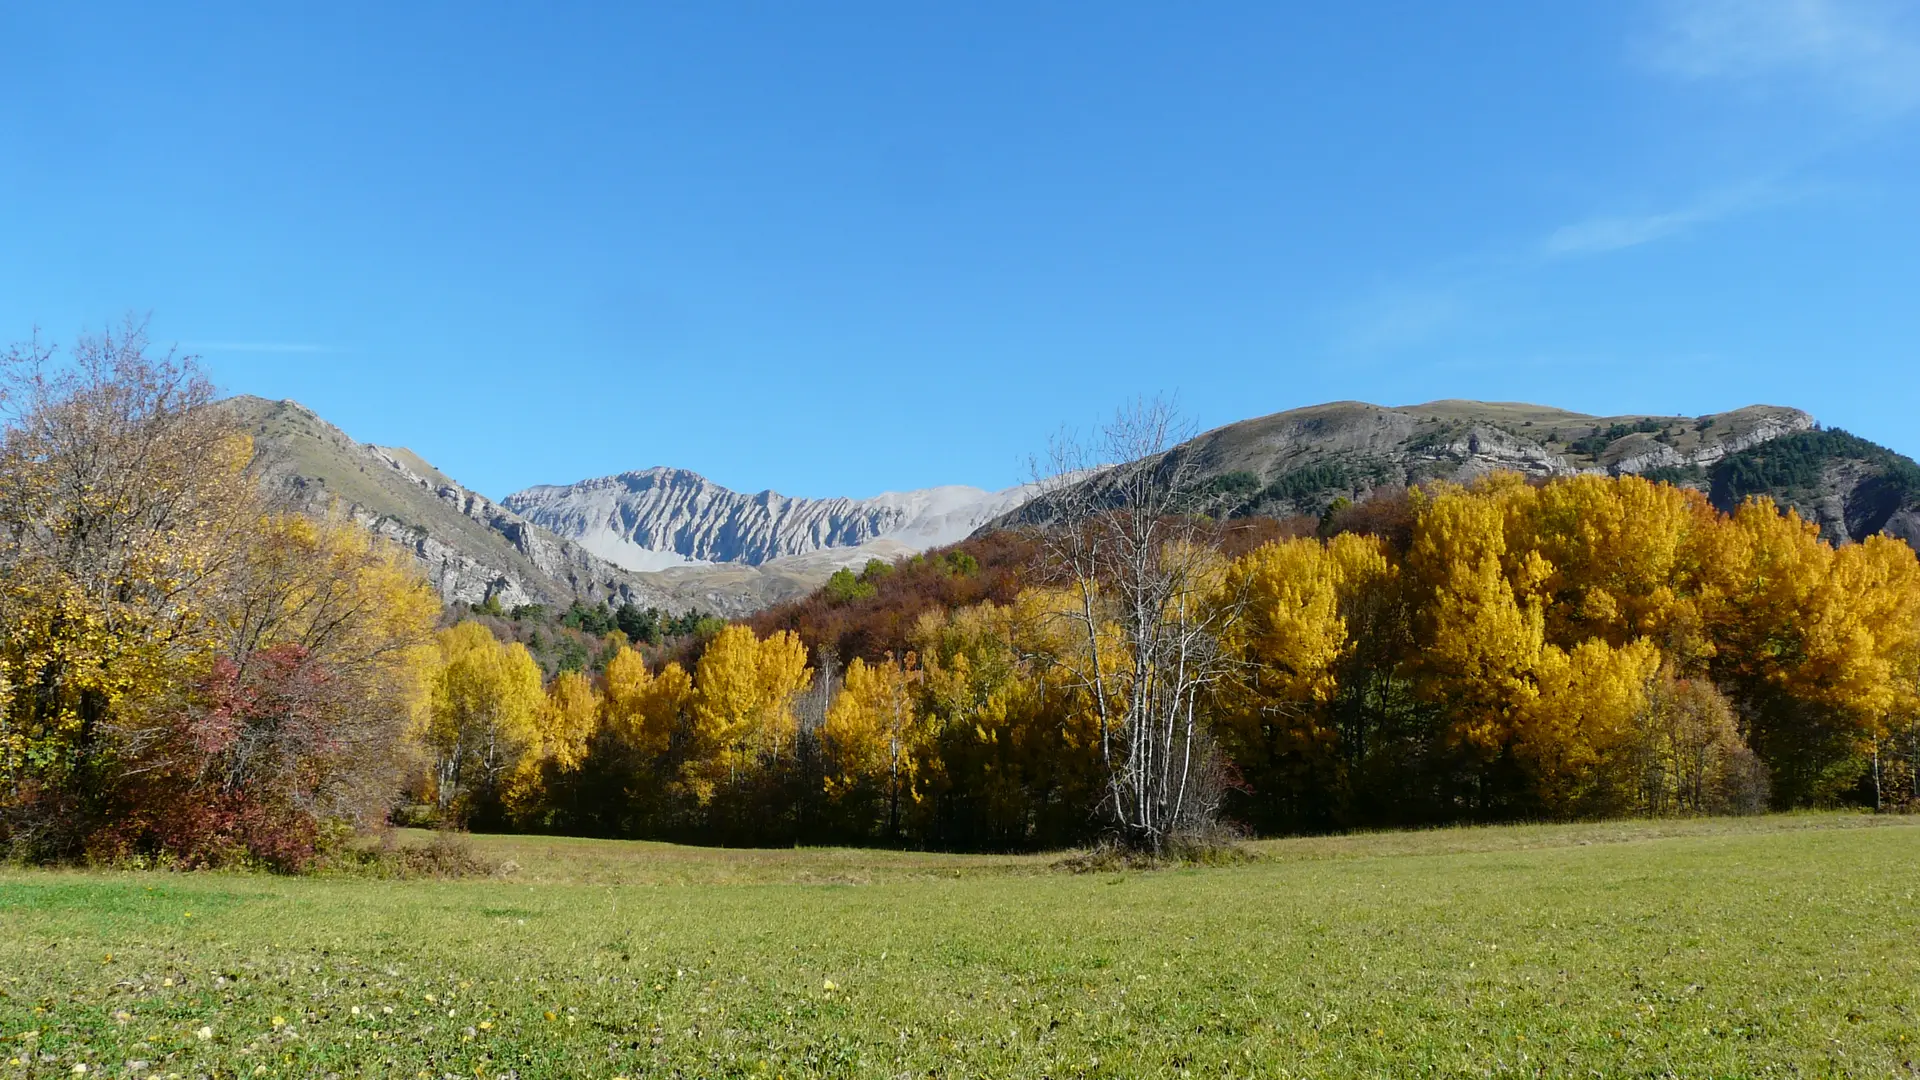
(1298, 462)
(663, 517)
(874, 614)
(669, 538)
(470, 547)
(1853, 488)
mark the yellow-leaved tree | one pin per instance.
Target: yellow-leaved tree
(742, 711)
(1481, 630)
(1629, 558)
(1575, 736)
(643, 710)
(563, 729)
(1016, 742)
(876, 735)
(1275, 707)
(1817, 647)
(486, 703)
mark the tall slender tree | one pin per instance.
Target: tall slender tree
(1129, 544)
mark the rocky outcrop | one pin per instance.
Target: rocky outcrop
(469, 547)
(661, 517)
(1905, 525)
(1740, 430)
(1299, 462)
(670, 538)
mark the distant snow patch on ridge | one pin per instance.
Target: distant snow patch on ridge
(662, 518)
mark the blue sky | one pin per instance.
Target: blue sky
(839, 248)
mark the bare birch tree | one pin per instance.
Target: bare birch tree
(1123, 529)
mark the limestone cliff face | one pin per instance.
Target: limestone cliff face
(469, 547)
(672, 539)
(663, 517)
(1741, 429)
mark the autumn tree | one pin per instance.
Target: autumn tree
(487, 701)
(1294, 712)
(1127, 541)
(1816, 644)
(191, 670)
(563, 730)
(742, 707)
(1480, 625)
(325, 610)
(876, 735)
(123, 501)
(1624, 558)
(1016, 759)
(643, 710)
(1688, 755)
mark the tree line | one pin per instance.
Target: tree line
(191, 672)
(1512, 649)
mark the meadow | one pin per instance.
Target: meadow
(1773, 946)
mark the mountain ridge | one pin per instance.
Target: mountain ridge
(470, 548)
(731, 553)
(1299, 461)
(473, 549)
(637, 518)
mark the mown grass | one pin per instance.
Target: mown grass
(1777, 946)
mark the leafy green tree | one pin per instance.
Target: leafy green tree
(844, 587)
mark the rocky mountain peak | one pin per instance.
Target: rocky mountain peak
(655, 518)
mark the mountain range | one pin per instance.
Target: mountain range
(666, 538)
(672, 539)
(666, 517)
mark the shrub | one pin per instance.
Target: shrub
(448, 856)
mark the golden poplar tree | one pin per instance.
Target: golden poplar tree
(1481, 630)
(1576, 735)
(486, 702)
(1275, 714)
(742, 708)
(1629, 558)
(563, 729)
(644, 710)
(875, 734)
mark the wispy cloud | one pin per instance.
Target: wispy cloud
(1860, 57)
(1457, 296)
(255, 347)
(1865, 54)
(1600, 235)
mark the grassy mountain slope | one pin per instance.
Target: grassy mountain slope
(469, 546)
(473, 548)
(1298, 462)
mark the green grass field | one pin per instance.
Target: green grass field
(1775, 946)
